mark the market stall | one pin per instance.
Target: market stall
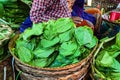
(59, 49)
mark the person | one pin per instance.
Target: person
(92, 15)
(44, 10)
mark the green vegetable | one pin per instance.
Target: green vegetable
(49, 43)
(54, 43)
(108, 61)
(88, 35)
(68, 48)
(24, 54)
(43, 52)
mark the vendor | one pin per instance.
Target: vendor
(43, 10)
(91, 15)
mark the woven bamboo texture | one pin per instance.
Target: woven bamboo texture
(71, 72)
(7, 34)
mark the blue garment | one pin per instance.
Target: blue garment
(78, 10)
(27, 23)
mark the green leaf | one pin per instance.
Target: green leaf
(56, 63)
(92, 43)
(49, 43)
(68, 48)
(64, 24)
(37, 29)
(50, 30)
(24, 54)
(83, 35)
(105, 59)
(43, 52)
(76, 54)
(39, 62)
(66, 36)
(28, 44)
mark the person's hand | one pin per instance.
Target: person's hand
(77, 20)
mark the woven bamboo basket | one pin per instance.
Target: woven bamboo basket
(71, 72)
(6, 72)
(94, 72)
(108, 5)
(7, 34)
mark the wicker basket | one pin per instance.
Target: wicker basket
(5, 26)
(108, 5)
(71, 72)
(94, 71)
(7, 35)
(6, 72)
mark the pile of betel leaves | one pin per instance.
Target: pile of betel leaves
(5, 34)
(14, 12)
(55, 43)
(107, 63)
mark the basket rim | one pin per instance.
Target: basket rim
(47, 68)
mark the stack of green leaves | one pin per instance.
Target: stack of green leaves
(55, 43)
(108, 61)
(13, 12)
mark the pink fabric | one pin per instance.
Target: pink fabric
(43, 10)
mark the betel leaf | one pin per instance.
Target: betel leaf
(83, 35)
(49, 43)
(51, 58)
(68, 48)
(50, 30)
(56, 63)
(44, 62)
(113, 50)
(37, 29)
(41, 52)
(24, 54)
(92, 43)
(39, 62)
(28, 44)
(64, 24)
(104, 59)
(61, 61)
(76, 54)
(20, 43)
(66, 36)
